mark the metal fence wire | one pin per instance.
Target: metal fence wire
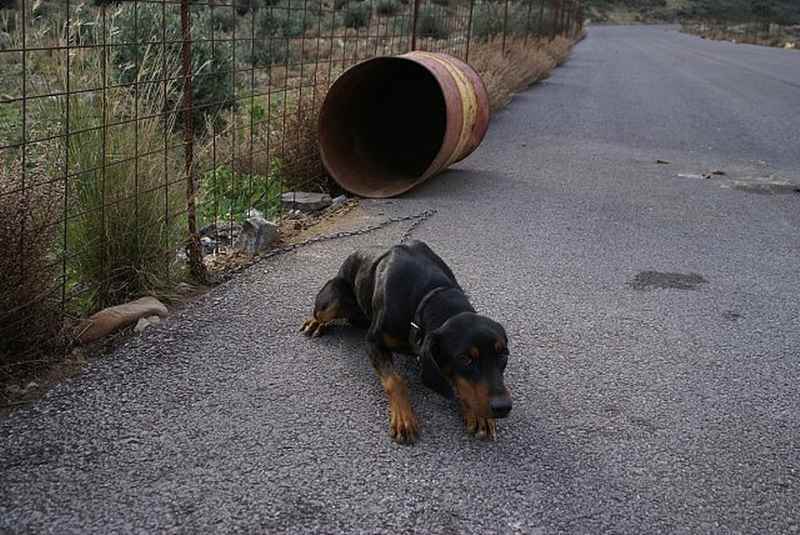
(136, 135)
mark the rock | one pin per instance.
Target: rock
(790, 46)
(338, 201)
(114, 318)
(253, 212)
(208, 230)
(305, 201)
(257, 234)
(209, 245)
(144, 323)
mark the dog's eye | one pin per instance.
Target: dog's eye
(465, 360)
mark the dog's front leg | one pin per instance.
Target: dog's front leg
(402, 422)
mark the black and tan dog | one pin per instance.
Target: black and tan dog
(413, 304)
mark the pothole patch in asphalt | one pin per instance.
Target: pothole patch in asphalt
(657, 280)
(760, 185)
(731, 315)
(766, 188)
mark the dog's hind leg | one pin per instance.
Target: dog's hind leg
(402, 422)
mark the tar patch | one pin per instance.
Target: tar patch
(656, 280)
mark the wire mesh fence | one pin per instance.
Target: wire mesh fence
(136, 135)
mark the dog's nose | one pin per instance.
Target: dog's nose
(500, 407)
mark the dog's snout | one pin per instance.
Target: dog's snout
(500, 407)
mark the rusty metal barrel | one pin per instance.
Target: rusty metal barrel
(390, 123)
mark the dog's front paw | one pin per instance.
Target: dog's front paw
(402, 424)
(313, 327)
(480, 428)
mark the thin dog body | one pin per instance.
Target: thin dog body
(411, 303)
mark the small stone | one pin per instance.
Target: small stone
(718, 172)
(696, 177)
(209, 245)
(662, 162)
(305, 201)
(257, 234)
(144, 323)
(208, 230)
(294, 214)
(338, 201)
(5, 41)
(114, 318)
(254, 212)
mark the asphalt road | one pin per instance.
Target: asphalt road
(643, 402)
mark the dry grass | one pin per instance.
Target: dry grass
(29, 287)
(523, 64)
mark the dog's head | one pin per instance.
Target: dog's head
(332, 298)
(471, 352)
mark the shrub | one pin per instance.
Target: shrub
(222, 19)
(29, 296)
(339, 4)
(487, 20)
(357, 15)
(8, 4)
(212, 87)
(269, 52)
(273, 27)
(228, 194)
(387, 8)
(432, 22)
(283, 22)
(123, 221)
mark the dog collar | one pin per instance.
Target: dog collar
(417, 333)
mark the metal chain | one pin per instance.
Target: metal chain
(417, 219)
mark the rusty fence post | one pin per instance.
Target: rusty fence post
(556, 16)
(568, 22)
(469, 29)
(528, 21)
(414, 15)
(505, 26)
(540, 22)
(193, 251)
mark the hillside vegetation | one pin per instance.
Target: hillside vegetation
(785, 12)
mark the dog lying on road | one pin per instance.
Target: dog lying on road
(412, 303)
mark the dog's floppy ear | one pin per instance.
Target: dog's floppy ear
(431, 371)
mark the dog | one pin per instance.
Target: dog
(411, 303)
